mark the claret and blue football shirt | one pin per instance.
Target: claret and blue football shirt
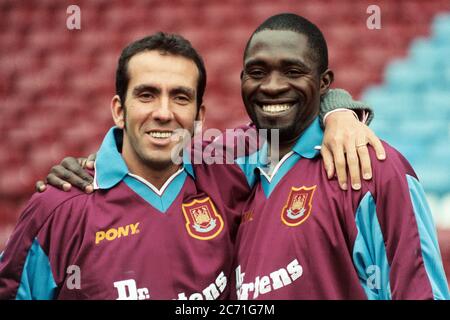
(128, 240)
(302, 237)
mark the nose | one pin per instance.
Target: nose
(163, 111)
(274, 84)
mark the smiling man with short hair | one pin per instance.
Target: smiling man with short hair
(302, 236)
(153, 229)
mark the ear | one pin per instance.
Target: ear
(201, 114)
(200, 120)
(118, 112)
(326, 79)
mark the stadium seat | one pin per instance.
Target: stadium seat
(437, 102)
(441, 28)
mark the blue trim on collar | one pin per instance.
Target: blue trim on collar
(287, 165)
(311, 137)
(110, 168)
(304, 147)
(250, 163)
(187, 164)
(163, 202)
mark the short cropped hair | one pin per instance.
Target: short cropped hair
(296, 23)
(166, 43)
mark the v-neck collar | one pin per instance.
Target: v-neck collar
(110, 169)
(254, 165)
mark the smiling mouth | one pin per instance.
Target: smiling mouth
(276, 108)
(160, 134)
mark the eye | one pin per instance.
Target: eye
(181, 99)
(146, 96)
(256, 73)
(294, 73)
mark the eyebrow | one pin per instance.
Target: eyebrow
(145, 87)
(284, 63)
(183, 90)
(153, 89)
(294, 61)
(255, 62)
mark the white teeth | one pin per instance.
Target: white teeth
(275, 108)
(160, 135)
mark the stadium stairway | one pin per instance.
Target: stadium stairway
(412, 109)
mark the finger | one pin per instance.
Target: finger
(377, 145)
(90, 161)
(53, 180)
(40, 186)
(76, 170)
(327, 161)
(366, 165)
(353, 166)
(69, 178)
(340, 166)
(82, 162)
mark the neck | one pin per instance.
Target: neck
(156, 175)
(286, 148)
(275, 157)
(286, 145)
(278, 150)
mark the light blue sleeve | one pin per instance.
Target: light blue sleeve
(428, 240)
(37, 282)
(369, 252)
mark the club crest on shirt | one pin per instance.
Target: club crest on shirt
(298, 206)
(202, 220)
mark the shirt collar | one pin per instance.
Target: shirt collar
(110, 168)
(305, 146)
(309, 140)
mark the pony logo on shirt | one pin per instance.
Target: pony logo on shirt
(202, 220)
(298, 206)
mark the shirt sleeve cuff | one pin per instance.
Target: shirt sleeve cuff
(336, 99)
